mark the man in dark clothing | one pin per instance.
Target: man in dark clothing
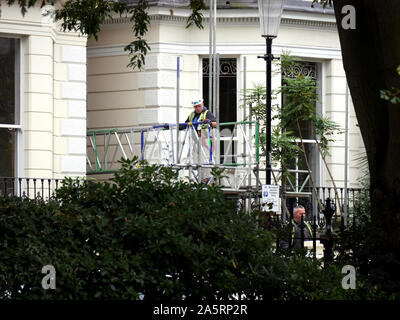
(298, 213)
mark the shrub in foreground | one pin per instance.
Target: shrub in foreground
(149, 235)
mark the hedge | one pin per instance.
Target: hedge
(149, 235)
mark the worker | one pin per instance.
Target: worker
(201, 114)
(298, 227)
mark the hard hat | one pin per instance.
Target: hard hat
(197, 101)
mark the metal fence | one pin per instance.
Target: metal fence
(306, 199)
(33, 188)
(323, 223)
(320, 239)
(309, 202)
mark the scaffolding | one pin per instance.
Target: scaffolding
(194, 151)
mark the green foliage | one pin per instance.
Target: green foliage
(360, 245)
(24, 4)
(361, 210)
(88, 16)
(138, 48)
(392, 95)
(286, 150)
(288, 63)
(352, 243)
(325, 129)
(301, 95)
(196, 16)
(300, 92)
(149, 235)
(255, 101)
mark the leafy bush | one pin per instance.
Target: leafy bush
(361, 245)
(149, 235)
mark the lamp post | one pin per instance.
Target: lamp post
(270, 17)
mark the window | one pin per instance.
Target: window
(300, 181)
(10, 114)
(227, 87)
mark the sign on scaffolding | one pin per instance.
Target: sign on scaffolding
(270, 197)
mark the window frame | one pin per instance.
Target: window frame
(19, 107)
(319, 110)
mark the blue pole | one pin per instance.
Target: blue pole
(210, 142)
(142, 143)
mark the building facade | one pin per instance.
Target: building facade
(43, 97)
(57, 85)
(119, 97)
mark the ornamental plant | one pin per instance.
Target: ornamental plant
(299, 104)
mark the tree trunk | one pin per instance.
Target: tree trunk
(371, 54)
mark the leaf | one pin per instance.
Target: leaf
(196, 17)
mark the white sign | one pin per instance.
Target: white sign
(270, 194)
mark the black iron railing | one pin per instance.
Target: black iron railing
(324, 222)
(29, 187)
(321, 222)
(310, 230)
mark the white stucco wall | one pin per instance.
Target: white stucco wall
(54, 94)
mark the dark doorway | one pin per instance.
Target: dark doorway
(299, 180)
(227, 101)
(227, 88)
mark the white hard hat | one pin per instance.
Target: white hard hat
(197, 101)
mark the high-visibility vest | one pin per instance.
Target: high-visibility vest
(201, 118)
(308, 227)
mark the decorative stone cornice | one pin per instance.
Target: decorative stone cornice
(223, 48)
(233, 20)
(309, 23)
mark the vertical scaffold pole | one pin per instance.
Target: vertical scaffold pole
(95, 151)
(245, 130)
(142, 144)
(215, 57)
(189, 128)
(210, 142)
(257, 163)
(346, 158)
(177, 110)
(210, 60)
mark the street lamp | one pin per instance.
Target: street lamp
(270, 18)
